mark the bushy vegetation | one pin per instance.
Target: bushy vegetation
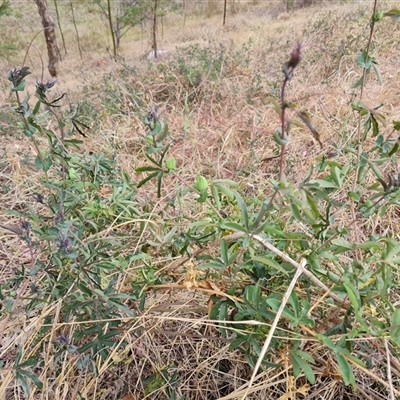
(192, 228)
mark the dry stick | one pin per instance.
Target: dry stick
(295, 264)
(389, 371)
(373, 376)
(269, 246)
(285, 299)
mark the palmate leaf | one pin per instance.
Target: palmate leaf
(300, 362)
(23, 382)
(38, 383)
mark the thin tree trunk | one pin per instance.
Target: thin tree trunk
(184, 13)
(59, 27)
(76, 29)
(112, 29)
(223, 23)
(155, 28)
(50, 35)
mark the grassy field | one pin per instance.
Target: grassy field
(144, 262)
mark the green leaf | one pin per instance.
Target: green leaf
(243, 208)
(252, 295)
(233, 226)
(270, 263)
(391, 253)
(378, 74)
(38, 383)
(203, 197)
(354, 296)
(158, 126)
(393, 13)
(20, 87)
(335, 174)
(164, 132)
(395, 327)
(396, 125)
(121, 307)
(375, 170)
(321, 184)
(299, 364)
(279, 139)
(223, 189)
(159, 183)
(364, 60)
(347, 372)
(368, 245)
(30, 362)
(260, 216)
(147, 169)
(201, 183)
(151, 149)
(375, 126)
(377, 16)
(148, 178)
(216, 264)
(294, 301)
(327, 342)
(224, 252)
(23, 382)
(276, 106)
(43, 163)
(37, 107)
(395, 148)
(237, 342)
(360, 107)
(226, 182)
(307, 356)
(214, 192)
(341, 245)
(295, 210)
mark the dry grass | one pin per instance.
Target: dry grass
(227, 133)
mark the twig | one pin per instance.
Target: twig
(275, 324)
(389, 370)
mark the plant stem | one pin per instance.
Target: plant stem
(360, 145)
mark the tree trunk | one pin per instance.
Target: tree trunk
(50, 35)
(223, 23)
(184, 13)
(76, 29)
(112, 29)
(155, 28)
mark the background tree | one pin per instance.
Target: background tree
(76, 28)
(224, 19)
(59, 27)
(50, 36)
(154, 27)
(5, 8)
(122, 16)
